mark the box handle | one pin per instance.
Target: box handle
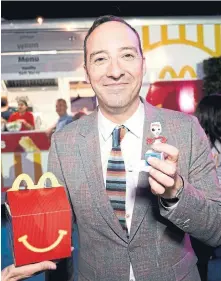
(22, 177)
(30, 184)
(51, 177)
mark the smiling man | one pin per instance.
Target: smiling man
(133, 224)
(115, 70)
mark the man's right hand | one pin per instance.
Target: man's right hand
(12, 273)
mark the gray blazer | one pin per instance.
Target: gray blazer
(159, 247)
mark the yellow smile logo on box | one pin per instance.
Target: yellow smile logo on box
(23, 239)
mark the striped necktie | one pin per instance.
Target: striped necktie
(116, 176)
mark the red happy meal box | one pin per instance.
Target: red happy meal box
(40, 220)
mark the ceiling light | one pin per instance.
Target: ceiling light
(40, 20)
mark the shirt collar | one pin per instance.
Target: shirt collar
(134, 123)
(63, 117)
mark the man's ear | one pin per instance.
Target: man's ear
(86, 74)
(144, 66)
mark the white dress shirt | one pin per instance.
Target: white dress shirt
(131, 147)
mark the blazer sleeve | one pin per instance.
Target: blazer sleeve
(198, 211)
(65, 267)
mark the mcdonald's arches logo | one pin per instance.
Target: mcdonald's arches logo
(184, 70)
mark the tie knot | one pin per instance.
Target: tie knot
(118, 135)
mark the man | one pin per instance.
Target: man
(6, 112)
(133, 224)
(64, 118)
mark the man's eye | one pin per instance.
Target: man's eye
(128, 56)
(99, 60)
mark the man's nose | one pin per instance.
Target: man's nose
(115, 70)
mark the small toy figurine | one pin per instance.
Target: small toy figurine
(156, 130)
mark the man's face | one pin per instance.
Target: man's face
(115, 66)
(61, 108)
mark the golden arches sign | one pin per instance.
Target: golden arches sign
(200, 41)
(175, 75)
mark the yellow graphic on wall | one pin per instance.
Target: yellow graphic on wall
(204, 37)
(186, 69)
(198, 43)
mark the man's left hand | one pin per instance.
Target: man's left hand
(164, 179)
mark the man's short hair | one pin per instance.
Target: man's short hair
(102, 20)
(62, 100)
(4, 101)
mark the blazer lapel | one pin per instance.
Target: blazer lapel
(144, 197)
(89, 147)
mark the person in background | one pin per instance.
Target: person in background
(23, 116)
(208, 113)
(64, 118)
(6, 112)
